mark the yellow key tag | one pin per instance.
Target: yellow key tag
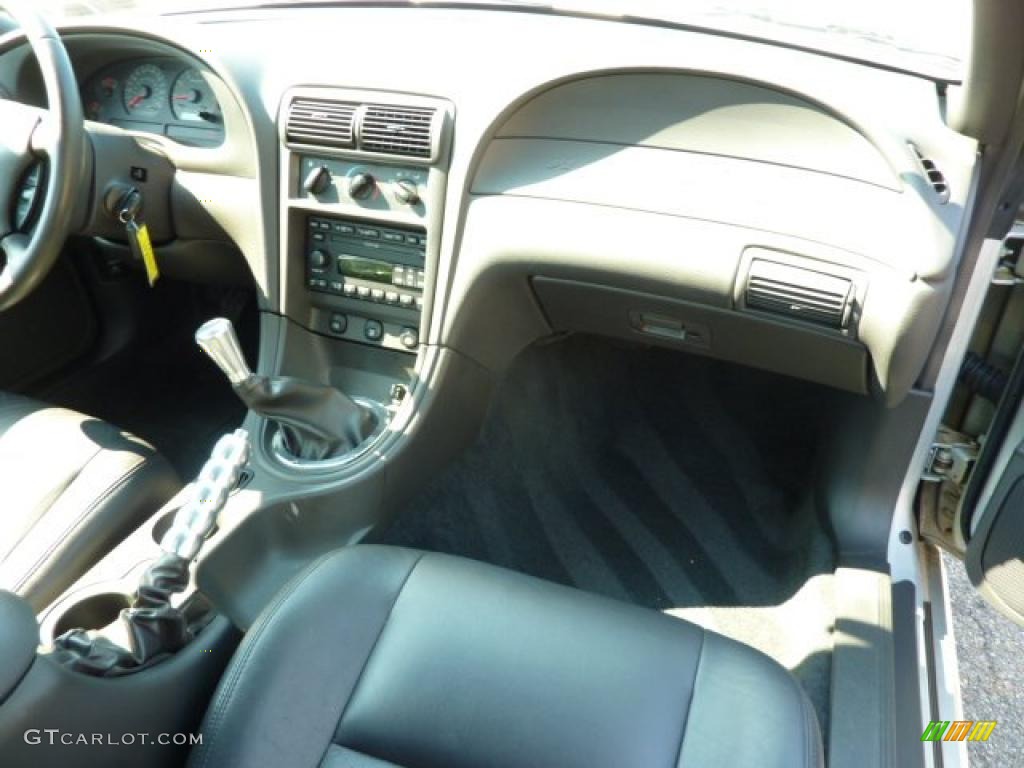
(139, 234)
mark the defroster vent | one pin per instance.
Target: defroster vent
(799, 294)
(934, 175)
(397, 130)
(322, 122)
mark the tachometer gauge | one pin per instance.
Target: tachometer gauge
(192, 98)
(145, 90)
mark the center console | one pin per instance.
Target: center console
(363, 177)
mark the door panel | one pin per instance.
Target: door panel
(995, 551)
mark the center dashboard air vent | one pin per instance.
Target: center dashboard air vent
(402, 130)
(322, 122)
(799, 294)
(397, 130)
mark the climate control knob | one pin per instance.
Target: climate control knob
(361, 186)
(406, 192)
(317, 180)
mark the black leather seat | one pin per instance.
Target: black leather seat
(71, 487)
(378, 657)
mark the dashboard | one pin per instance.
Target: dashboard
(158, 95)
(770, 206)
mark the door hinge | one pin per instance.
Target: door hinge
(952, 457)
(1009, 268)
(947, 470)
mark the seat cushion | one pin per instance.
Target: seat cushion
(71, 487)
(380, 656)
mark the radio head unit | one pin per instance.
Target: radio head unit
(375, 271)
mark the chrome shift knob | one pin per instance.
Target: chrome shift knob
(218, 340)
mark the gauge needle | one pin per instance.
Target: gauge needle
(134, 102)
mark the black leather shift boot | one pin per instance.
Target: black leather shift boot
(316, 421)
(155, 628)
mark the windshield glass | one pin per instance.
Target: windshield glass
(925, 36)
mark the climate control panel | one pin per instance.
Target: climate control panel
(371, 186)
(370, 277)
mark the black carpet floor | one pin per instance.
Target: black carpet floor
(166, 391)
(666, 480)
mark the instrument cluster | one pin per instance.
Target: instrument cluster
(158, 95)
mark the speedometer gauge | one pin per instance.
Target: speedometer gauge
(192, 98)
(145, 90)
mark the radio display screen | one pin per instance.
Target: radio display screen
(365, 269)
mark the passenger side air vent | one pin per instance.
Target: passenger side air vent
(322, 122)
(799, 294)
(934, 176)
(395, 130)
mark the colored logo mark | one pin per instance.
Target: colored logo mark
(959, 730)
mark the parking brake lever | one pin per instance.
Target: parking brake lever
(154, 627)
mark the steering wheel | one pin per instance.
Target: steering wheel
(48, 144)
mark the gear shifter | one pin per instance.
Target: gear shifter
(315, 421)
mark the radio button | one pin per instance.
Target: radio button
(348, 289)
(344, 229)
(391, 297)
(368, 232)
(373, 330)
(419, 302)
(376, 294)
(362, 292)
(339, 323)
(409, 338)
(394, 237)
(317, 259)
(337, 286)
(412, 239)
(406, 300)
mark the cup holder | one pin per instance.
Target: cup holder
(93, 612)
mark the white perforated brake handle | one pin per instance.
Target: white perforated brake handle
(208, 496)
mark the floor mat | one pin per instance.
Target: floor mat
(666, 480)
